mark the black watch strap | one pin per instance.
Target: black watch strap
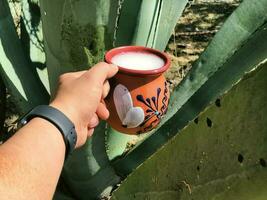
(56, 117)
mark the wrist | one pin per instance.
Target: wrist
(68, 111)
(58, 119)
(50, 133)
(72, 113)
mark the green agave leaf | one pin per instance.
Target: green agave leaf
(32, 38)
(148, 23)
(224, 62)
(21, 80)
(117, 143)
(221, 155)
(76, 34)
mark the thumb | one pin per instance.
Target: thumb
(101, 72)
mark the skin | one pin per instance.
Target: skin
(31, 160)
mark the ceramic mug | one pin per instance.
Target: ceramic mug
(138, 99)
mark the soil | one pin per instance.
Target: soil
(198, 24)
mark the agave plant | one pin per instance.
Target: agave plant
(217, 156)
(77, 34)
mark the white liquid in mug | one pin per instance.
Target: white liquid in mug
(138, 61)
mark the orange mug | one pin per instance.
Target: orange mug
(138, 99)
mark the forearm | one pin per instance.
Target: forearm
(31, 161)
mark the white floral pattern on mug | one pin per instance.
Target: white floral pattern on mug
(129, 115)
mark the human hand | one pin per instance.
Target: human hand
(80, 97)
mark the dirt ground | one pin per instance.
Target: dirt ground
(199, 23)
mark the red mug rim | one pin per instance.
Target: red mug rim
(111, 53)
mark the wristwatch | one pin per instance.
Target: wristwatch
(58, 119)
